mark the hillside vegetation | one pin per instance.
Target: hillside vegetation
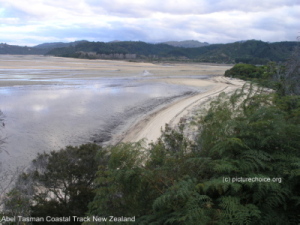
(18, 50)
(53, 45)
(186, 44)
(251, 52)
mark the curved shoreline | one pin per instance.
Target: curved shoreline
(149, 127)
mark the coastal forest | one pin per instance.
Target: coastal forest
(254, 52)
(242, 166)
(250, 52)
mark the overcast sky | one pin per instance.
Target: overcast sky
(31, 22)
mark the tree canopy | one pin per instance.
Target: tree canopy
(179, 182)
(58, 184)
(252, 51)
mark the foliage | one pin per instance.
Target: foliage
(59, 183)
(186, 44)
(255, 52)
(244, 135)
(259, 141)
(246, 71)
(120, 183)
(18, 50)
(53, 45)
(252, 51)
(283, 77)
(288, 76)
(16, 204)
(126, 47)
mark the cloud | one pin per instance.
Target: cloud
(148, 20)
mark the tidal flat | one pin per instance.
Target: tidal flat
(49, 102)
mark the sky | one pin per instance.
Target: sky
(32, 22)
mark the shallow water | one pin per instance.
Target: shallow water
(42, 118)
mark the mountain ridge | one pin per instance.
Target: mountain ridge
(186, 44)
(251, 51)
(52, 45)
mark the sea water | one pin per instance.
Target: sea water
(41, 118)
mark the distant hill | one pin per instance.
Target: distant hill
(252, 51)
(186, 44)
(19, 50)
(58, 44)
(41, 49)
(117, 49)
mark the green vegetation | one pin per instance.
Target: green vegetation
(18, 50)
(53, 45)
(58, 184)
(282, 77)
(254, 52)
(246, 72)
(186, 44)
(126, 47)
(178, 182)
(261, 75)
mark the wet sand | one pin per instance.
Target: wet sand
(39, 70)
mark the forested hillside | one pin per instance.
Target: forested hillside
(141, 49)
(253, 52)
(18, 50)
(186, 44)
(53, 45)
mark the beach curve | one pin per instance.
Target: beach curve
(149, 128)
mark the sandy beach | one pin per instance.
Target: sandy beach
(149, 128)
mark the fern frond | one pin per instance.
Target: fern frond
(229, 146)
(226, 165)
(218, 186)
(236, 213)
(254, 160)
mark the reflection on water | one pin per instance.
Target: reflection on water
(49, 117)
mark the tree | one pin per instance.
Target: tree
(245, 135)
(59, 183)
(253, 139)
(121, 183)
(289, 79)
